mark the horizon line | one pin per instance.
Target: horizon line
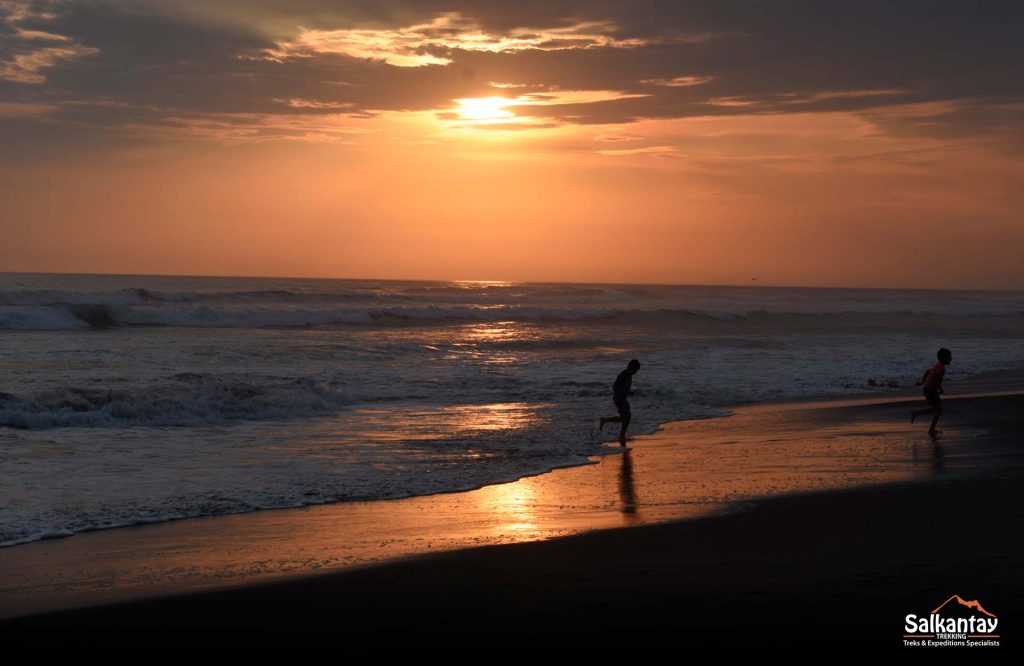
(512, 281)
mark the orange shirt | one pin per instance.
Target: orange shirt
(933, 382)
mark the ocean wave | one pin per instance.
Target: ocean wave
(376, 295)
(141, 296)
(42, 318)
(42, 297)
(70, 316)
(238, 303)
(185, 399)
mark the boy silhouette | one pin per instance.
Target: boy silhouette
(931, 382)
(620, 392)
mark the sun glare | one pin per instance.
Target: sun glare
(484, 109)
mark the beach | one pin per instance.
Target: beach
(414, 317)
(807, 548)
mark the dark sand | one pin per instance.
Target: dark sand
(841, 567)
(835, 567)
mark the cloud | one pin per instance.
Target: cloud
(617, 138)
(254, 127)
(999, 120)
(26, 52)
(577, 62)
(21, 110)
(652, 151)
(432, 43)
(27, 67)
(679, 81)
(297, 103)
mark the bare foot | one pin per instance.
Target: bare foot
(913, 417)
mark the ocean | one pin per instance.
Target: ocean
(136, 399)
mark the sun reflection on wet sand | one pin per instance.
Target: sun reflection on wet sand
(513, 504)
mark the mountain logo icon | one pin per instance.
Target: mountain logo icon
(974, 605)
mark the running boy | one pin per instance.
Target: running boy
(932, 384)
(620, 392)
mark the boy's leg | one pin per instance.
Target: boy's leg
(935, 402)
(622, 405)
(934, 407)
(920, 412)
(935, 422)
(609, 419)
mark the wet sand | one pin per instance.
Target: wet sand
(839, 568)
(739, 565)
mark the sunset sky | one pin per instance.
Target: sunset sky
(803, 143)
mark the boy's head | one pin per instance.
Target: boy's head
(945, 356)
(633, 366)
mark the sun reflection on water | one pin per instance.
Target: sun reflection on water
(488, 341)
(426, 423)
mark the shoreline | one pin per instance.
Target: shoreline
(988, 382)
(239, 551)
(838, 567)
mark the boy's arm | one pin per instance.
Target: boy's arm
(924, 377)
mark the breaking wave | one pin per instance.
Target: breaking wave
(84, 316)
(185, 399)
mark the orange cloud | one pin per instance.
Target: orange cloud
(653, 151)
(25, 67)
(428, 43)
(299, 103)
(260, 127)
(35, 50)
(679, 81)
(21, 110)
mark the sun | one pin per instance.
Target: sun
(484, 109)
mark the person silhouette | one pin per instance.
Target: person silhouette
(931, 382)
(621, 390)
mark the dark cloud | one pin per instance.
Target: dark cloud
(129, 64)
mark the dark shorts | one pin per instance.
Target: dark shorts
(623, 407)
(933, 398)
